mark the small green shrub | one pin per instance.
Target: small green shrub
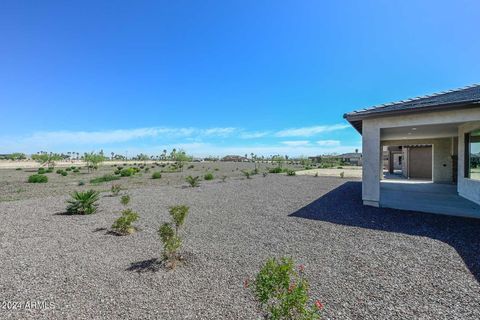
(339, 167)
(123, 225)
(276, 170)
(76, 170)
(291, 172)
(193, 181)
(68, 169)
(37, 178)
(41, 170)
(64, 173)
(115, 189)
(247, 174)
(81, 183)
(127, 172)
(169, 235)
(73, 167)
(191, 166)
(342, 174)
(216, 169)
(125, 200)
(156, 175)
(83, 202)
(59, 171)
(104, 178)
(208, 176)
(282, 292)
(116, 172)
(49, 170)
(18, 169)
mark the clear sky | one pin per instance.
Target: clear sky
(220, 77)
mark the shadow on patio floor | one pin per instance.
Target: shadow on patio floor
(344, 206)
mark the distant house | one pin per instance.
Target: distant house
(234, 158)
(353, 158)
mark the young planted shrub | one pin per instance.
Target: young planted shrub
(18, 169)
(37, 178)
(290, 172)
(83, 202)
(208, 176)
(64, 173)
(115, 189)
(191, 166)
(81, 183)
(247, 174)
(282, 292)
(41, 170)
(342, 174)
(104, 178)
(123, 225)
(156, 175)
(68, 169)
(276, 170)
(193, 181)
(59, 171)
(127, 172)
(125, 200)
(76, 170)
(169, 235)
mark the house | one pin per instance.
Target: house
(427, 146)
(353, 159)
(234, 158)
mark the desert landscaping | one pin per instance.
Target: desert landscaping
(361, 262)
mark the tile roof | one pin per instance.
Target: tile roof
(465, 95)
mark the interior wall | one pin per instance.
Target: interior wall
(442, 158)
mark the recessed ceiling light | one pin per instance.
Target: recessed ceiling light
(414, 128)
(409, 133)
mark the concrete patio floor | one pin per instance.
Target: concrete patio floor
(426, 196)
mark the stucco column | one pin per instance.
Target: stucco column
(372, 156)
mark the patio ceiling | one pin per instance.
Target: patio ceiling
(420, 132)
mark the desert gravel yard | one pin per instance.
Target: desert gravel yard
(362, 262)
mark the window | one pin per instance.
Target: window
(472, 155)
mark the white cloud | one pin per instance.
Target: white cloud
(295, 143)
(328, 143)
(254, 135)
(310, 131)
(219, 132)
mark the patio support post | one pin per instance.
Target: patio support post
(372, 159)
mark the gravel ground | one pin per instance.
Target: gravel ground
(362, 262)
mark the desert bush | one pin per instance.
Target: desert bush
(339, 167)
(68, 169)
(64, 173)
(81, 183)
(83, 202)
(104, 178)
(216, 169)
(76, 170)
(193, 181)
(191, 166)
(49, 170)
(208, 176)
(123, 225)
(37, 178)
(18, 169)
(125, 200)
(59, 171)
(41, 170)
(247, 174)
(119, 168)
(116, 172)
(282, 292)
(156, 175)
(147, 169)
(73, 167)
(290, 172)
(265, 174)
(169, 235)
(127, 172)
(342, 174)
(275, 170)
(115, 189)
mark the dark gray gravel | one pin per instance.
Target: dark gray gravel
(363, 263)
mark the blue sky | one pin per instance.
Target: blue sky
(220, 77)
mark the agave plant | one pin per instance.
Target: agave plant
(83, 202)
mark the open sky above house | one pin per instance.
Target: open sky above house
(220, 77)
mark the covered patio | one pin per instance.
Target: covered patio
(426, 196)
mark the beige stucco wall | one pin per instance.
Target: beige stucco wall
(467, 188)
(372, 148)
